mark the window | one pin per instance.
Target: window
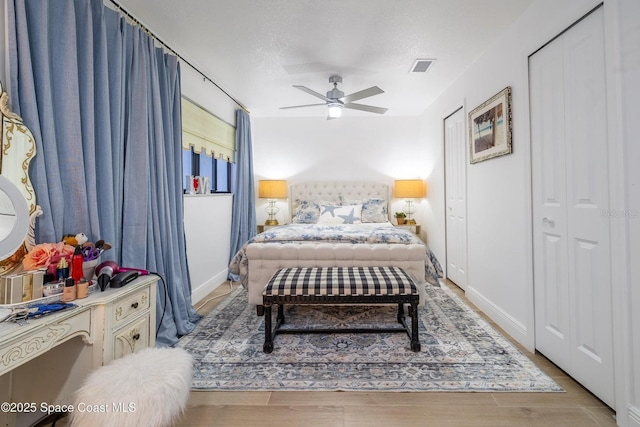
(217, 170)
(223, 175)
(187, 165)
(208, 145)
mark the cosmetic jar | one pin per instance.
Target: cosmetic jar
(69, 291)
(82, 289)
(52, 288)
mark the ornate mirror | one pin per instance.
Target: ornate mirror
(18, 208)
(14, 218)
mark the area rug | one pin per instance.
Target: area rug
(460, 351)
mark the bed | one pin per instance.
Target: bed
(334, 224)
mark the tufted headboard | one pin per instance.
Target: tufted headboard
(335, 192)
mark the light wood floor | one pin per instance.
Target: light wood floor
(576, 407)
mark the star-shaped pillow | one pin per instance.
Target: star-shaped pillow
(331, 214)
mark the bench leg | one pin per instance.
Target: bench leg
(280, 317)
(415, 338)
(268, 338)
(400, 312)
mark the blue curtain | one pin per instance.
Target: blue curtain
(243, 222)
(103, 104)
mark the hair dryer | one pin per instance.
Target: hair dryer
(108, 269)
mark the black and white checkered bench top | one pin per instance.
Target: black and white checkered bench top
(340, 281)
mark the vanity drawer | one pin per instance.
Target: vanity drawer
(131, 306)
(132, 338)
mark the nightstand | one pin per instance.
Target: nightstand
(263, 228)
(415, 228)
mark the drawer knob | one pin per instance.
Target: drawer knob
(134, 305)
(136, 337)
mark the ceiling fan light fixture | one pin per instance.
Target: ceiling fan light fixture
(336, 99)
(335, 110)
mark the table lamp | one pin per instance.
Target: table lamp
(409, 189)
(272, 189)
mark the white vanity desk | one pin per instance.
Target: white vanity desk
(42, 362)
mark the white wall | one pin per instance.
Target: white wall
(207, 222)
(206, 95)
(376, 148)
(500, 276)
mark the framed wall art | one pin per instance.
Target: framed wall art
(490, 127)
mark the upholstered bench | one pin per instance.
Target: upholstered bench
(340, 285)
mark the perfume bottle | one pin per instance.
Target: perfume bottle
(62, 269)
(76, 264)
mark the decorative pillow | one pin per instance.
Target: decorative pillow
(374, 210)
(307, 213)
(331, 214)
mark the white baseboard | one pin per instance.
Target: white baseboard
(513, 327)
(200, 292)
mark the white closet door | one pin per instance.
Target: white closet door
(456, 205)
(553, 334)
(570, 179)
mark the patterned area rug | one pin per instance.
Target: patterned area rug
(460, 351)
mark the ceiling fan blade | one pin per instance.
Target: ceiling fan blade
(301, 106)
(373, 90)
(312, 92)
(369, 108)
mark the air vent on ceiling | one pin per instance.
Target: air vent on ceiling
(422, 65)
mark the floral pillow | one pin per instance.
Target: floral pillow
(374, 210)
(307, 213)
(332, 214)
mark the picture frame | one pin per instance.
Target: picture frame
(490, 127)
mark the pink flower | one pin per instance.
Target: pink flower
(43, 254)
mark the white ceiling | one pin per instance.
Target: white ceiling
(257, 49)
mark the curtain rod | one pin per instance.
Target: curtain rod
(149, 32)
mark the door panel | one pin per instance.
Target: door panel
(549, 204)
(587, 195)
(556, 320)
(455, 187)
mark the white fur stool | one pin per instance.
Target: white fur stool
(148, 388)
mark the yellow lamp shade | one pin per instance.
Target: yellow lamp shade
(272, 189)
(409, 188)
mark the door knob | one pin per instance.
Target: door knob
(547, 221)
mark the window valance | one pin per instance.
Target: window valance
(206, 133)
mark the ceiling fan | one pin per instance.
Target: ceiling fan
(336, 99)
